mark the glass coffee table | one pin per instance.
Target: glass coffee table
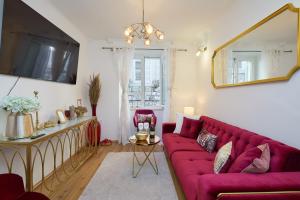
(149, 146)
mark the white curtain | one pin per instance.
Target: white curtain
(123, 59)
(170, 69)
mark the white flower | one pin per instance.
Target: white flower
(20, 104)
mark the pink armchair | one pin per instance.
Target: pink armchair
(12, 188)
(143, 112)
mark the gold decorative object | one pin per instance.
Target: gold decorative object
(58, 148)
(80, 110)
(37, 121)
(61, 116)
(49, 124)
(268, 51)
(150, 151)
(143, 30)
(141, 135)
(19, 126)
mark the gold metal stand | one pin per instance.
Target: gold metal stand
(144, 144)
(141, 164)
(66, 143)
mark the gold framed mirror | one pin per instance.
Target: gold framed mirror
(266, 52)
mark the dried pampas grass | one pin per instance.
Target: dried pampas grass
(94, 89)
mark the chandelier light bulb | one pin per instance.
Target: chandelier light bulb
(147, 42)
(159, 35)
(198, 53)
(128, 31)
(149, 28)
(130, 40)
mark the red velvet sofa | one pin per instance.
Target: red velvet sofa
(12, 188)
(193, 166)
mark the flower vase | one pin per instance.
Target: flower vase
(94, 110)
(19, 125)
(94, 127)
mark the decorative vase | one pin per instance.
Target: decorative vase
(19, 125)
(91, 128)
(94, 110)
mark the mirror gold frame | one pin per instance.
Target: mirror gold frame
(289, 7)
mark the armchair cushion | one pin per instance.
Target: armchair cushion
(33, 196)
(143, 112)
(11, 186)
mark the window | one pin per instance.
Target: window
(244, 68)
(145, 81)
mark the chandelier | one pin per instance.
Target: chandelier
(143, 30)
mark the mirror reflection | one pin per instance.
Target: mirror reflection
(267, 53)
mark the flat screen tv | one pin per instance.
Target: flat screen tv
(33, 47)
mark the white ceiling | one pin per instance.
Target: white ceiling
(181, 20)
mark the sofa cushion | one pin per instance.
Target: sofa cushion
(190, 128)
(189, 166)
(207, 140)
(283, 157)
(174, 142)
(179, 121)
(262, 164)
(244, 160)
(224, 158)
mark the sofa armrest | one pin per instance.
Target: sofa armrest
(214, 186)
(168, 127)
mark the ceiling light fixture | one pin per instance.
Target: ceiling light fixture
(200, 50)
(143, 30)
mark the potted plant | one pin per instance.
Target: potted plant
(19, 121)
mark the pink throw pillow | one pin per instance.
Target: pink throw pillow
(262, 164)
(244, 160)
(190, 128)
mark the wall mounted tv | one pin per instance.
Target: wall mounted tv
(33, 47)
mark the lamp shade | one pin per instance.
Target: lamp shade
(189, 111)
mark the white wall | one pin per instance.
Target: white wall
(269, 109)
(186, 81)
(101, 61)
(52, 95)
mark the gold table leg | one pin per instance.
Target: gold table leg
(29, 174)
(142, 164)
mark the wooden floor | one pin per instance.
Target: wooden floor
(74, 186)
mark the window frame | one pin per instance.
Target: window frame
(143, 55)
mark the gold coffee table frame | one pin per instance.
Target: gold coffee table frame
(145, 144)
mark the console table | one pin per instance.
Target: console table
(64, 143)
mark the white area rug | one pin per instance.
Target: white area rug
(113, 180)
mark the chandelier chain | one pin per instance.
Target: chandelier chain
(143, 11)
